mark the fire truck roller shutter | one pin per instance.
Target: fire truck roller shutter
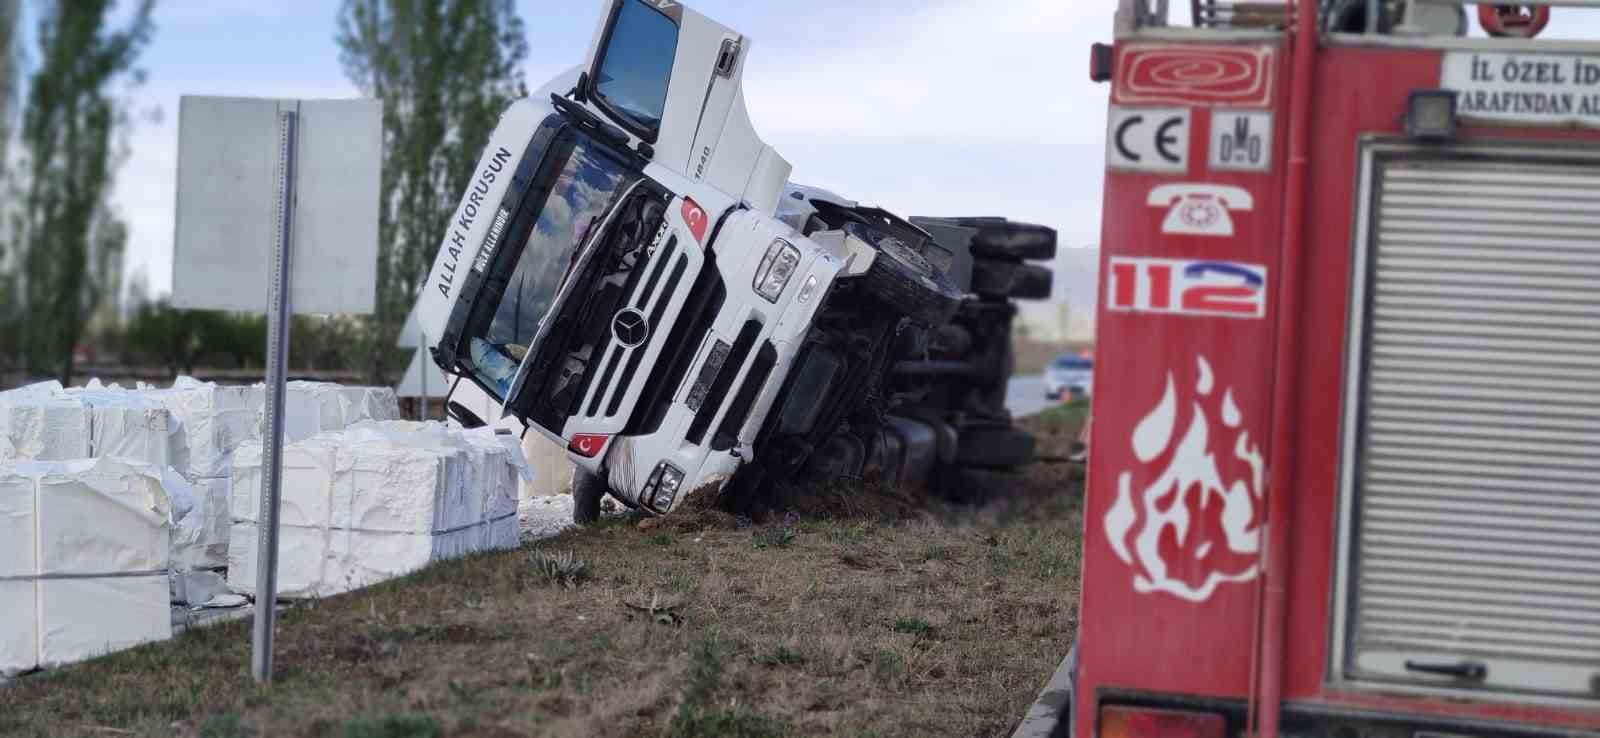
(1474, 481)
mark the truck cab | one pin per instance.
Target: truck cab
(631, 274)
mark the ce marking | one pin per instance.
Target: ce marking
(1148, 139)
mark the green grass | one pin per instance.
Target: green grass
(1065, 418)
(939, 625)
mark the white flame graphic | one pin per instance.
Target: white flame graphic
(1192, 469)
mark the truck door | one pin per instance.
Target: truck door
(663, 72)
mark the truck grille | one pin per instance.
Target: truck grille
(1476, 477)
(621, 363)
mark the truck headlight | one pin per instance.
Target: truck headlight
(663, 486)
(777, 266)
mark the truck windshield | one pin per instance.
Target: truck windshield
(543, 237)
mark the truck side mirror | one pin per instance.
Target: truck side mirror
(462, 415)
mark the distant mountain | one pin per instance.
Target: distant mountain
(1069, 315)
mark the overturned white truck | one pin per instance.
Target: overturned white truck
(632, 275)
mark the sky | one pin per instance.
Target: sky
(937, 107)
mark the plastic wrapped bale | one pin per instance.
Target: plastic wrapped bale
(310, 408)
(500, 468)
(369, 403)
(19, 604)
(307, 486)
(200, 538)
(489, 490)
(402, 499)
(126, 425)
(99, 537)
(43, 426)
(372, 503)
(216, 419)
(357, 508)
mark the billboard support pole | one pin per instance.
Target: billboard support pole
(278, 312)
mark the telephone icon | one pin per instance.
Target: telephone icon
(1200, 209)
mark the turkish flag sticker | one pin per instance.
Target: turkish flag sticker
(696, 219)
(588, 445)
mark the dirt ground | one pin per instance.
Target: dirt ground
(945, 622)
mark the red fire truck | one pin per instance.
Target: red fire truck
(1345, 477)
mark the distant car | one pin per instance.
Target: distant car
(1068, 377)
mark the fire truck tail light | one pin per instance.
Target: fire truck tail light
(1141, 722)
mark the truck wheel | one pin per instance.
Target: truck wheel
(1014, 241)
(587, 492)
(996, 447)
(1010, 279)
(904, 280)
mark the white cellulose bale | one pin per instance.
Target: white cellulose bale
(130, 425)
(369, 403)
(216, 419)
(63, 425)
(310, 408)
(19, 606)
(374, 502)
(200, 539)
(97, 534)
(42, 426)
(501, 467)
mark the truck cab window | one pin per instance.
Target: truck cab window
(637, 63)
(583, 187)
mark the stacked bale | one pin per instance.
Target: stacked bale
(374, 502)
(84, 549)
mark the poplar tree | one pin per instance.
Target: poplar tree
(10, 63)
(70, 242)
(445, 70)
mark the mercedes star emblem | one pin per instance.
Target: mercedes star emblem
(630, 328)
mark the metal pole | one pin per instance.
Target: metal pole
(277, 367)
(425, 360)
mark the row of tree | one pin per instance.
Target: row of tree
(445, 69)
(62, 247)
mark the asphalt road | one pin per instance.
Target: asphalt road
(1025, 396)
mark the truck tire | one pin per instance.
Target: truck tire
(587, 492)
(905, 281)
(1014, 241)
(999, 447)
(1011, 279)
